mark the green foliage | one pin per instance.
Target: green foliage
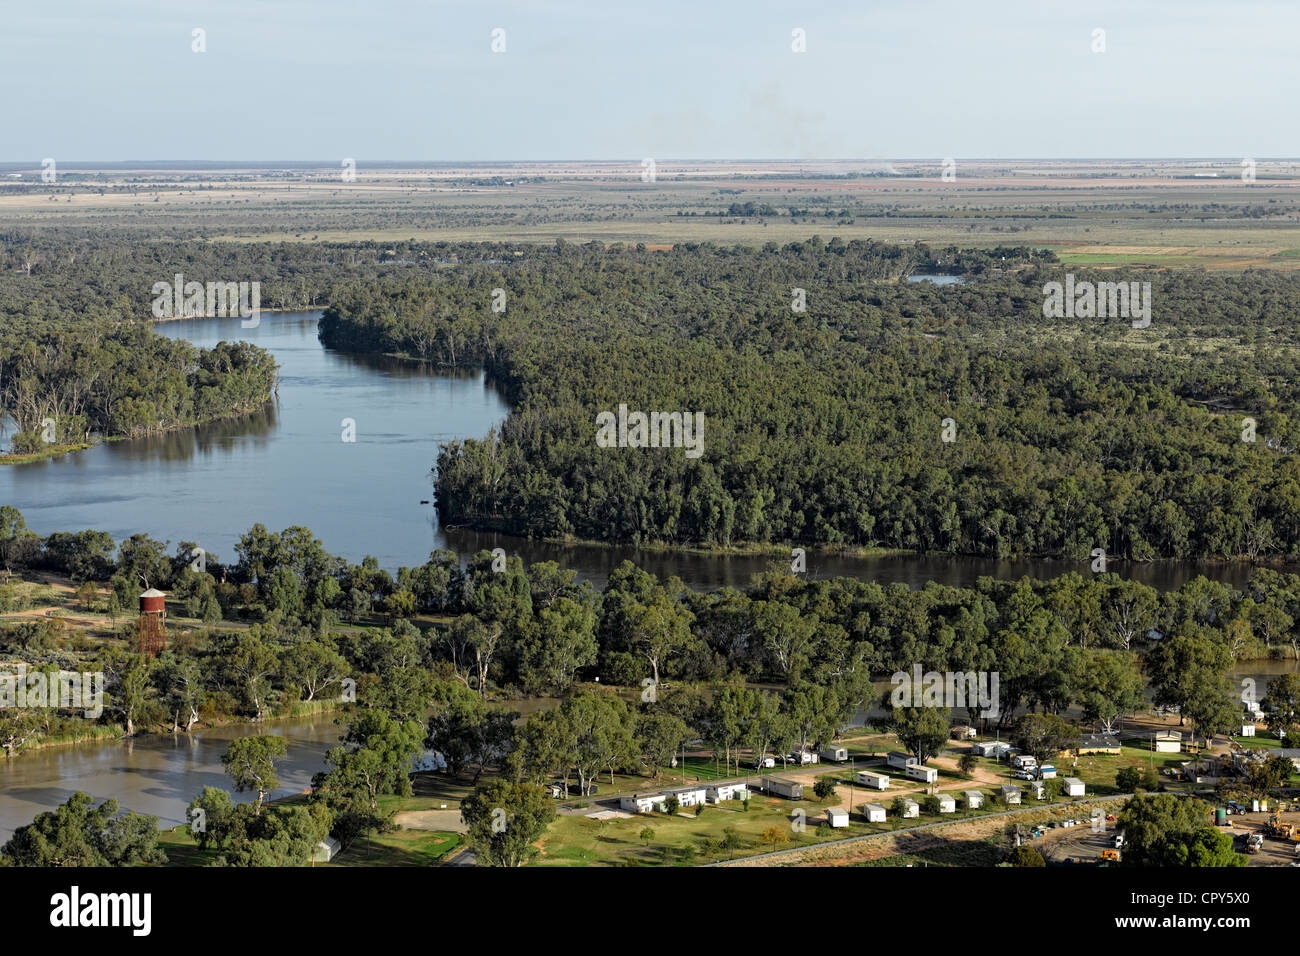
(123, 380)
(250, 762)
(1163, 830)
(77, 833)
(1073, 434)
(1128, 779)
(504, 819)
(1026, 855)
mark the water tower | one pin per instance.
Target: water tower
(153, 632)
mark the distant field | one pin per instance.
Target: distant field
(1104, 213)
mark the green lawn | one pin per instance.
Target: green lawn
(402, 848)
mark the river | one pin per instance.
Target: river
(289, 465)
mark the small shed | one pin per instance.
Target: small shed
(325, 850)
(1010, 794)
(789, 789)
(947, 803)
(984, 748)
(874, 812)
(835, 752)
(924, 774)
(1168, 742)
(899, 761)
(974, 799)
(1038, 789)
(873, 781)
(837, 816)
(1248, 730)
(1072, 787)
(911, 809)
(963, 732)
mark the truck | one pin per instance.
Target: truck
(1254, 842)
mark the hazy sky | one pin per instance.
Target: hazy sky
(672, 79)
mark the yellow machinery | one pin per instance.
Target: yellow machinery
(1110, 856)
(1279, 830)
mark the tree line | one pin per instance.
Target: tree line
(64, 385)
(495, 627)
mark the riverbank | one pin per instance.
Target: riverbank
(54, 451)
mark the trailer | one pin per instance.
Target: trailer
(925, 774)
(835, 752)
(789, 789)
(899, 761)
(874, 812)
(872, 780)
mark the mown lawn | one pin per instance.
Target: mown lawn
(401, 848)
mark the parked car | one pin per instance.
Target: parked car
(1024, 775)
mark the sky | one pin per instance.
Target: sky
(417, 80)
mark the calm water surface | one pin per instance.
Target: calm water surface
(287, 465)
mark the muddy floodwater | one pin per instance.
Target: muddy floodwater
(154, 775)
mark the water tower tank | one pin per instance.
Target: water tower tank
(153, 600)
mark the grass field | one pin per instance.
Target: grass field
(1095, 213)
(402, 848)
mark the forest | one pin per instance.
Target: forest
(491, 628)
(121, 380)
(844, 407)
(848, 409)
